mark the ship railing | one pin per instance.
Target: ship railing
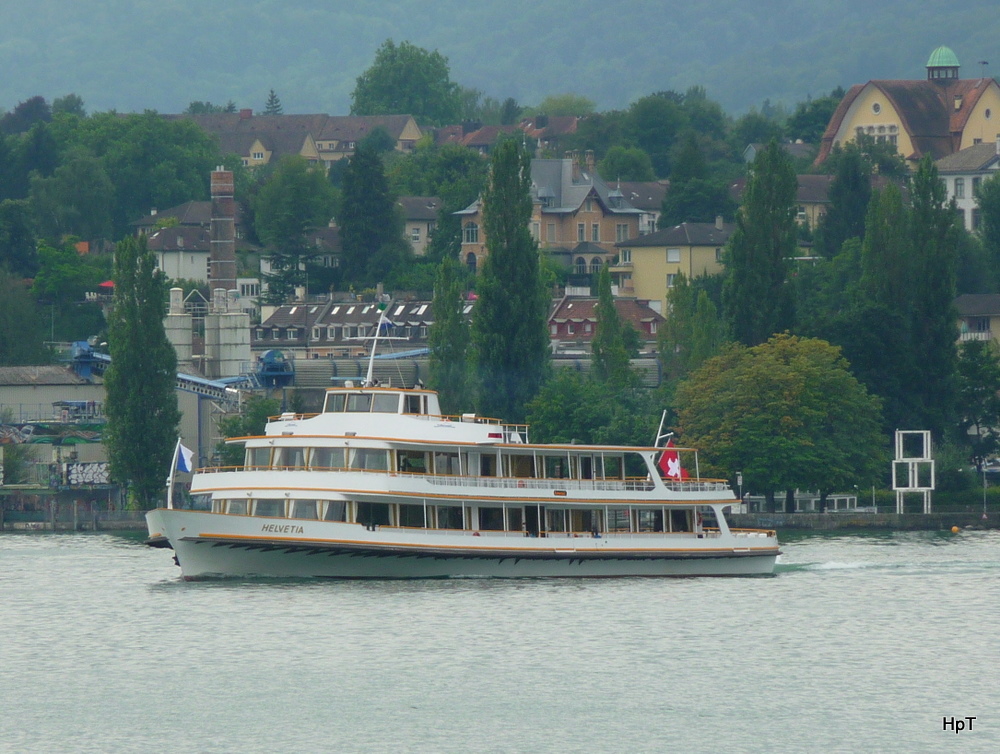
(754, 533)
(697, 485)
(556, 536)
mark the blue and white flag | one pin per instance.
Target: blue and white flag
(185, 458)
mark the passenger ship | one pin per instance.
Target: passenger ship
(381, 485)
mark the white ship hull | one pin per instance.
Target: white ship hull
(211, 545)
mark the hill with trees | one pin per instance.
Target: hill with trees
(127, 55)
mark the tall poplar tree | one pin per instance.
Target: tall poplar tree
(449, 339)
(756, 301)
(610, 356)
(509, 325)
(850, 193)
(141, 405)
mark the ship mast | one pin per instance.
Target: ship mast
(383, 309)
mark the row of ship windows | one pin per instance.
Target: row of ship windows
(437, 462)
(457, 517)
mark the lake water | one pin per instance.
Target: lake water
(860, 643)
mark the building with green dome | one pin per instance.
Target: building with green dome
(938, 115)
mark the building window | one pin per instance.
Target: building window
(276, 333)
(471, 233)
(975, 186)
(470, 262)
(588, 205)
(570, 329)
(317, 333)
(554, 329)
(581, 266)
(625, 256)
(415, 234)
(588, 328)
(718, 254)
(671, 279)
(975, 218)
(550, 232)
(673, 256)
(595, 265)
(595, 232)
(988, 113)
(959, 188)
(581, 232)
(536, 231)
(621, 232)
(876, 108)
(258, 155)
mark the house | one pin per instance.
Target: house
(573, 323)
(420, 214)
(964, 171)
(320, 139)
(576, 217)
(647, 266)
(648, 197)
(937, 116)
(978, 316)
(797, 150)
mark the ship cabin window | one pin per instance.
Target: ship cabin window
(304, 509)
(619, 519)
(648, 520)
(273, 508)
(412, 516)
(515, 519)
(446, 463)
(374, 514)
(412, 461)
(236, 507)
(556, 467)
(449, 517)
(334, 403)
(586, 521)
(359, 402)
(289, 458)
(369, 459)
(491, 519)
(414, 404)
(487, 465)
(385, 403)
(327, 458)
(201, 502)
(556, 520)
(336, 510)
(612, 467)
(680, 520)
(258, 458)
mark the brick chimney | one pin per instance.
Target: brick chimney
(222, 232)
(246, 113)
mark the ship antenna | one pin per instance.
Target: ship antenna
(383, 308)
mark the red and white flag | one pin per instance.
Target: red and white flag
(670, 463)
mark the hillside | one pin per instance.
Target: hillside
(137, 54)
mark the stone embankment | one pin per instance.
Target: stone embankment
(848, 521)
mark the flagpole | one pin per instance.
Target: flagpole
(172, 475)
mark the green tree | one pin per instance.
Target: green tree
(850, 194)
(811, 117)
(408, 80)
(22, 336)
(70, 104)
(198, 107)
(692, 333)
(77, 200)
(756, 301)
(787, 413)
(273, 105)
(988, 198)
(626, 164)
(141, 404)
(21, 119)
(250, 422)
(979, 397)
(294, 201)
(754, 128)
(509, 330)
(564, 104)
(653, 124)
(371, 230)
(449, 339)
(610, 362)
(17, 238)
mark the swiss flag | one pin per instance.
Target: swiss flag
(670, 463)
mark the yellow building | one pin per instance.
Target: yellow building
(648, 266)
(937, 116)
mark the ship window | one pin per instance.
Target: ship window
(618, 519)
(201, 502)
(491, 519)
(386, 403)
(304, 509)
(327, 458)
(336, 510)
(515, 519)
(680, 520)
(273, 508)
(650, 520)
(237, 508)
(449, 517)
(335, 403)
(359, 402)
(612, 467)
(411, 515)
(412, 461)
(289, 458)
(370, 459)
(258, 457)
(446, 463)
(556, 467)
(413, 404)
(556, 520)
(376, 514)
(585, 521)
